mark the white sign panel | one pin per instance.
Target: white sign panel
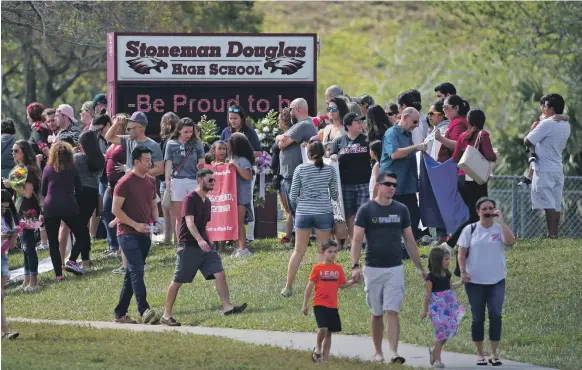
(216, 58)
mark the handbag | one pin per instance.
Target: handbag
(474, 164)
(167, 199)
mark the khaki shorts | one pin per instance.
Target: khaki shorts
(384, 288)
(182, 187)
(546, 190)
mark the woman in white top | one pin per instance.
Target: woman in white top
(314, 184)
(336, 110)
(375, 154)
(482, 264)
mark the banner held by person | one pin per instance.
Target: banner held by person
(223, 223)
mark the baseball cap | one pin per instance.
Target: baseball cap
(68, 111)
(364, 99)
(139, 117)
(351, 117)
(99, 98)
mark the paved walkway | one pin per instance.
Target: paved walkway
(350, 346)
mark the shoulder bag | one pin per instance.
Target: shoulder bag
(167, 199)
(474, 164)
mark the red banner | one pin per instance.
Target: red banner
(223, 223)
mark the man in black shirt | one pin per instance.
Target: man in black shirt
(195, 252)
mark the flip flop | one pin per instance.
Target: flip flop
(236, 309)
(482, 362)
(495, 362)
(397, 360)
(315, 357)
(10, 335)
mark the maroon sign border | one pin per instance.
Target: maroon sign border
(112, 81)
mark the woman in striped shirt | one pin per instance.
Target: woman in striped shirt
(314, 184)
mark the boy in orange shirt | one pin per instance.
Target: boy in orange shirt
(327, 277)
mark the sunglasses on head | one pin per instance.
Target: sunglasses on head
(388, 184)
(233, 110)
(332, 109)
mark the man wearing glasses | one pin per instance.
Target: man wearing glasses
(399, 157)
(384, 221)
(136, 126)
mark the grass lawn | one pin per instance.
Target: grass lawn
(63, 347)
(16, 257)
(541, 319)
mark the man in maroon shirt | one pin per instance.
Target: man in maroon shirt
(195, 252)
(134, 204)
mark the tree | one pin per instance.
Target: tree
(56, 51)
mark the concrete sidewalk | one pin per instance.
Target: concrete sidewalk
(349, 346)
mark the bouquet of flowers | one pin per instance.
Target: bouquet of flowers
(17, 180)
(30, 220)
(265, 185)
(267, 129)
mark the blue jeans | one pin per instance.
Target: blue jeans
(323, 222)
(106, 218)
(136, 248)
(28, 242)
(491, 296)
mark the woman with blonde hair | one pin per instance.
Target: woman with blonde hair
(60, 181)
(167, 127)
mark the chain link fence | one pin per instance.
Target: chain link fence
(515, 203)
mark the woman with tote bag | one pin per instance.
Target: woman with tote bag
(480, 141)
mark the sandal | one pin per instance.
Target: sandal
(397, 360)
(10, 335)
(236, 310)
(481, 362)
(315, 357)
(495, 362)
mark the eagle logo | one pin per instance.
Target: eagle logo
(288, 66)
(145, 65)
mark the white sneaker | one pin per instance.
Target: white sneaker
(234, 253)
(42, 246)
(244, 253)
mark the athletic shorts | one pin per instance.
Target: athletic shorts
(327, 318)
(546, 190)
(190, 259)
(384, 288)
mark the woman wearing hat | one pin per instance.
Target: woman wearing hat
(483, 269)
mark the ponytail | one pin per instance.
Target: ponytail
(476, 118)
(315, 152)
(462, 105)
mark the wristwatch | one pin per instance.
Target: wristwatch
(355, 266)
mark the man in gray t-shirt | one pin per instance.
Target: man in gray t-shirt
(384, 221)
(136, 129)
(290, 143)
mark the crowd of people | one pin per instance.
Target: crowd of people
(66, 179)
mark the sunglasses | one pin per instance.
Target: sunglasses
(488, 209)
(233, 110)
(446, 106)
(15, 150)
(332, 109)
(132, 128)
(415, 122)
(430, 114)
(388, 184)
(211, 180)
(390, 114)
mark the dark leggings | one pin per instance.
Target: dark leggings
(79, 230)
(470, 192)
(87, 201)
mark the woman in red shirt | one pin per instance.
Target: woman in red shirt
(455, 109)
(469, 189)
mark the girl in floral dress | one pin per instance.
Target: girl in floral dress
(440, 302)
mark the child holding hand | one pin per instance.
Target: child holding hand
(327, 277)
(445, 311)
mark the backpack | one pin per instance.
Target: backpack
(457, 271)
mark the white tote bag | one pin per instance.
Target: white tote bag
(474, 164)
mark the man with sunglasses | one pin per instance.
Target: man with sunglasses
(399, 157)
(384, 221)
(136, 127)
(195, 252)
(290, 143)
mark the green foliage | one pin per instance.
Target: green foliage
(267, 129)
(209, 129)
